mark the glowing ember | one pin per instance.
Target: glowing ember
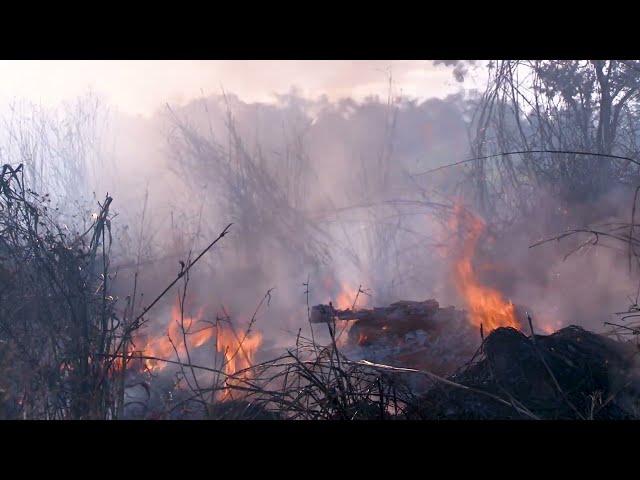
(548, 329)
(486, 306)
(546, 325)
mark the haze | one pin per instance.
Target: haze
(142, 87)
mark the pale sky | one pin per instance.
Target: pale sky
(140, 87)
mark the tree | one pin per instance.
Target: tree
(548, 106)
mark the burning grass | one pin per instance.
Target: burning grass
(66, 351)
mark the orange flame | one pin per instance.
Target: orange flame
(238, 349)
(165, 345)
(345, 300)
(346, 297)
(486, 306)
(239, 352)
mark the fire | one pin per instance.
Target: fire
(172, 339)
(346, 297)
(546, 324)
(239, 351)
(345, 300)
(548, 329)
(486, 306)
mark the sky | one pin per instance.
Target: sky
(140, 87)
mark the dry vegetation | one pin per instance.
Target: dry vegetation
(544, 132)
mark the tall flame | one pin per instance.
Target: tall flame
(239, 351)
(486, 306)
(346, 299)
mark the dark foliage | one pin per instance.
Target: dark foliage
(572, 374)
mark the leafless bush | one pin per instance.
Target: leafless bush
(313, 382)
(261, 200)
(59, 148)
(57, 317)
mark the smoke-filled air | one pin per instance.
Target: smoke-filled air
(319, 240)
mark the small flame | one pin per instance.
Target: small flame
(346, 297)
(547, 325)
(345, 300)
(486, 306)
(548, 329)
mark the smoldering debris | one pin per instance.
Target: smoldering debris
(571, 374)
(406, 333)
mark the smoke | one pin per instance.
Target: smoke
(322, 197)
(580, 279)
(315, 198)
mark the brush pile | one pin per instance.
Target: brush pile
(571, 374)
